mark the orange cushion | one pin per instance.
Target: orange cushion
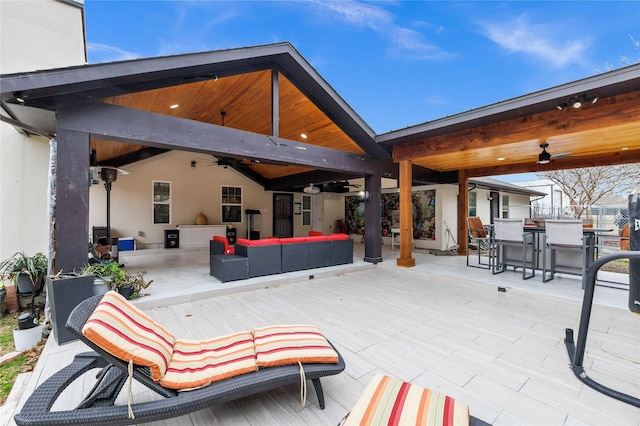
(314, 233)
(127, 333)
(288, 344)
(198, 363)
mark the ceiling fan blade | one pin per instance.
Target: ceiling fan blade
(561, 154)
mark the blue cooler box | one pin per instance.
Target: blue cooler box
(126, 244)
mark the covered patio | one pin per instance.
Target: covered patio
(440, 325)
(265, 112)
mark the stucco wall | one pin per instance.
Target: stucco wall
(34, 35)
(193, 190)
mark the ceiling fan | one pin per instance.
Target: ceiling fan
(311, 189)
(545, 158)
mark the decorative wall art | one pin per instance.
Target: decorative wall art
(423, 214)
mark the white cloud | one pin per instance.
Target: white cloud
(537, 40)
(405, 42)
(105, 53)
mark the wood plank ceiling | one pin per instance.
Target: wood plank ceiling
(602, 133)
(245, 100)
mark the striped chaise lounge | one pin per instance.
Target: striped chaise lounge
(188, 375)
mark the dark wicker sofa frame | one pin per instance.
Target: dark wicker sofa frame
(98, 407)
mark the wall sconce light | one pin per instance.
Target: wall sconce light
(366, 195)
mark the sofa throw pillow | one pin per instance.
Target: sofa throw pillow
(127, 333)
(198, 363)
(387, 400)
(290, 344)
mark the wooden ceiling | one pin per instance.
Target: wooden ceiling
(604, 133)
(245, 100)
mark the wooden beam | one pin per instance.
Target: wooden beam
(406, 221)
(622, 157)
(150, 129)
(463, 210)
(609, 112)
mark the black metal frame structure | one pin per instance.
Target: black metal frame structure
(577, 349)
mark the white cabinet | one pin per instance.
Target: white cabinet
(199, 235)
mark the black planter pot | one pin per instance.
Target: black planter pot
(24, 285)
(126, 291)
(64, 295)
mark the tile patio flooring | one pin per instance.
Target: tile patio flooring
(441, 325)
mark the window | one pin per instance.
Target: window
(161, 202)
(306, 210)
(473, 211)
(505, 206)
(231, 202)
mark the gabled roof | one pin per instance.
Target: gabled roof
(231, 88)
(492, 184)
(272, 91)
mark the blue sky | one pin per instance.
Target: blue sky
(397, 63)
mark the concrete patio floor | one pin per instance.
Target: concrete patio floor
(441, 325)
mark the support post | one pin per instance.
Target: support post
(463, 209)
(406, 218)
(373, 219)
(69, 237)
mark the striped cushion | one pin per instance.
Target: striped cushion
(389, 401)
(129, 334)
(198, 363)
(288, 344)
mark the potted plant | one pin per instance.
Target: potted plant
(105, 274)
(27, 272)
(131, 284)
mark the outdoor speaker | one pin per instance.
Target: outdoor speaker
(171, 238)
(634, 245)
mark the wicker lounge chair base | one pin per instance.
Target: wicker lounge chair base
(98, 407)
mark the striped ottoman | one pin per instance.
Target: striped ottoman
(389, 401)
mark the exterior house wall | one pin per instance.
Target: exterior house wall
(193, 190)
(33, 35)
(519, 205)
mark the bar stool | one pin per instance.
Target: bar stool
(563, 235)
(511, 233)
